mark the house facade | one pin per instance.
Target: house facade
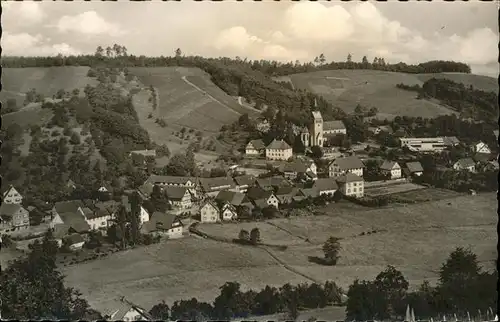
(263, 198)
(481, 147)
(209, 212)
(255, 148)
(228, 212)
(178, 197)
(164, 224)
(190, 183)
(465, 164)
(391, 169)
(326, 186)
(351, 185)
(13, 217)
(343, 165)
(12, 196)
(278, 150)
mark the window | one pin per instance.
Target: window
(348, 190)
(355, 189)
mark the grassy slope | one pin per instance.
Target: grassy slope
(371, 88)
(185, 105)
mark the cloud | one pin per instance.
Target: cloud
(24, 44)
(306, 29)
(89, 23)
(29, 12)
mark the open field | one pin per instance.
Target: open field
(186, 105)
(46, 80)
(172, 270)
(429, 194)
(373, 238)
(391, 189)
(30, 115)
(371, 88)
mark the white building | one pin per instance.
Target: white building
(423, 144)
(255, 148)
(481, 147)
(326, 186)
(278, 150)
(351, 185)
(392, 169)
(465, 164)
(209, 212)
(351, 164)
(318, 130)
(12, 196)
(164, 224)
(178, 197)
(228, 212)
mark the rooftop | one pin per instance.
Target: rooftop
(232, 197)
(349, 177)
(388, 165)
(244, 180)
(214, 183)
(466, 162)
(278, 145)
(325, 184)
(169, 179)
(347, 163)
(159, 221)
(333, 125)
(258, 144)
(175, 193)
(414, 167)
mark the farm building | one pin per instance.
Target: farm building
(481, 147)
(318, 130)
(351, 164)
(391, 169)
(262, 198)
(212, 186)
(74, 241)
(285, 195)
(233, 198)
(272, 183)
(413, 169)
(466, 164)
(191, 183)
(291, 170)
(325, 186)
(178, 197)
(209, 212)
(228, 212)
(244, 182)
(351, 185)
(255, 148)
(12, 196)
(164, 224)
(13, 217)
(278, 150)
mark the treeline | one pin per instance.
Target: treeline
(467, 100)
(268, 67)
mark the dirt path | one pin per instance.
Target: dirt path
(240, 101)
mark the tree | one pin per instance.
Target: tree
(160, 311)
(316, 152)
(393, 286)
(364, 302)
(178, 52)
(255, 236)
(109, 52)
(231, 303)
(159, 200)
(243, 235)
(11, 106)
(364, 61)
(163, 150)
(322, 59)
(75, 138)
(99, 52)
(331, 249)
(349, 58)
(33, 288)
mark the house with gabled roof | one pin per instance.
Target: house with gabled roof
(325, 186)
(123, 310)
(481, 147)
(272, 183)
(13, 217)
(334, 127)
(164, 224)
(279, 150)
(285, 195)
(12, 196)
(61, 207)
(209, 212)
(451, 141)
(178, 197)
(244, 182)
(212, 186)
(349, 164)
(255, 148)
(413, 169)
(291, 170)
(144, 215)
(466, 164)
(392, 169)
(233, 198)
(351, 185)
(74, 241)
(228, 212)
(99, 215)
(262, 198)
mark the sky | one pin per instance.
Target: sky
(411, 32)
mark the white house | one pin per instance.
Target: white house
(391, 169)
(164, 224)
(481, 147)
(351, 164)
(278, 150)
(255, 148)
(436, 144)
(12, 196)
(209, 212)
(228, 212)
(465, 164)
(351, 185)
(262, 198)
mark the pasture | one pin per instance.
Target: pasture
(391, 189)
(371, 88)
(174, 270)
(201, 107)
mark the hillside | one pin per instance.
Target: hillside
(188, 98)
(372, 88)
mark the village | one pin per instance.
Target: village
(284, 181)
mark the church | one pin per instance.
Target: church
(319, 131)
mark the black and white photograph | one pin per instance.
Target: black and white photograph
(249, 161)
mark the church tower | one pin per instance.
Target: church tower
(317, 129)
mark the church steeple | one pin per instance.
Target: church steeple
(315, 103)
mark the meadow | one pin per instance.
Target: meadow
(371, 88)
